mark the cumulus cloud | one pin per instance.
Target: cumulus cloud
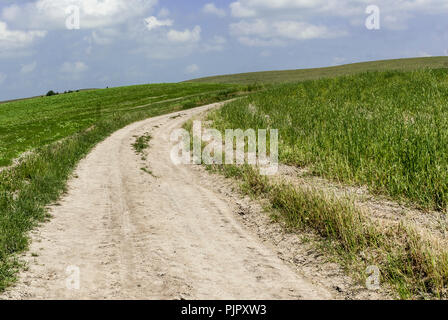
(166, 44)
(74, 67)
(211, 8)
(217, 43)
(301, 30)
(258, 42)
(252, 8)
(273, 23)
(192, 69)
(163, 13)
(187, 35)
(296, 19)
(51, 14)
(104, 36)
(246, 8)
(16, 39)
(261, 32)
(28, 68)
(240, 11)
(154, 23)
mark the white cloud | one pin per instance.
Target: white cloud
(216, 44)
(251, 8)
(101, 38)
(74, 67)
(397, 21)
(154, 23)
(245, 28)
(28, 68)
(219, 40)
(257, 42)
(288, 15)
(51, 14)
(165, 44)
(275, 23)
(187, 35)
(191, 69)
(262, 32)
(163, 13)
(211, 8)
(15, 39)
(240, 11)
(300, 30)
(2, 77)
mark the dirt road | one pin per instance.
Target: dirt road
(133, 235)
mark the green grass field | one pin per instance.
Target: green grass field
(269, 77)
(385, 130)
(28, 124)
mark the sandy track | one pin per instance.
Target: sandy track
(135, 236)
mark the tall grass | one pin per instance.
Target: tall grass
(415, 267)
(385, 130)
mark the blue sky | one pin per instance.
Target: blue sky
(123, 42)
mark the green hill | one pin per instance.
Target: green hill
(317, 73)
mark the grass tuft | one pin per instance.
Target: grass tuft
(142, 143)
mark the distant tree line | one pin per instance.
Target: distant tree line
(53, 93)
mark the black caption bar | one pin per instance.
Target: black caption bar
(221, 309)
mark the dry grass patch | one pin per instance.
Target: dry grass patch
(414, 266)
